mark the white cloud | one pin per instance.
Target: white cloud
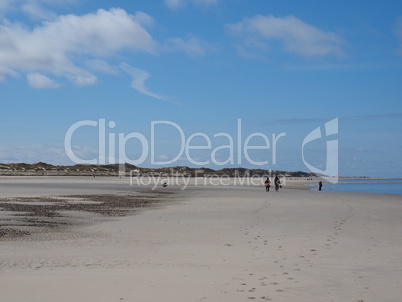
(38, 80)
(139, 78)
(56, 47)
(295, 35)
(398, 33)
(78, 47)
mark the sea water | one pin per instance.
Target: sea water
(388, 186)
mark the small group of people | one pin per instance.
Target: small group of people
(277, 184)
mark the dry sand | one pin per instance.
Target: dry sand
(208, 243)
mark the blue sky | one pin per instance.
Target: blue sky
(279, 66)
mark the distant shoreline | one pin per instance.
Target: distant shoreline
(42, 169)
(366, 185)
(191, 176)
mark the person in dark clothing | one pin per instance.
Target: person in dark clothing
(277, 183)
(267, 184)
(319, 186)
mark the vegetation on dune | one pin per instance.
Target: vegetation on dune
(128, 169)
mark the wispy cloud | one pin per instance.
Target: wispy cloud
(207, 2)
(139, 78)
(36, 9)
(296, 121)
(4, 5)
(34, 154)
(38, 80)
(296, 36)
(5, 71)
(398, 33)
(346, 118)
(191, 46)
(175, 4)
(322, 66)
(37, 12)
(102, 66)
(374, 116)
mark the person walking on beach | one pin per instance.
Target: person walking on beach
(277, 183)
(267, 184)
(319, 186)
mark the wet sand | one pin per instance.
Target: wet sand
(204, 243)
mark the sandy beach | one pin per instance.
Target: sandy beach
(204, 243)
